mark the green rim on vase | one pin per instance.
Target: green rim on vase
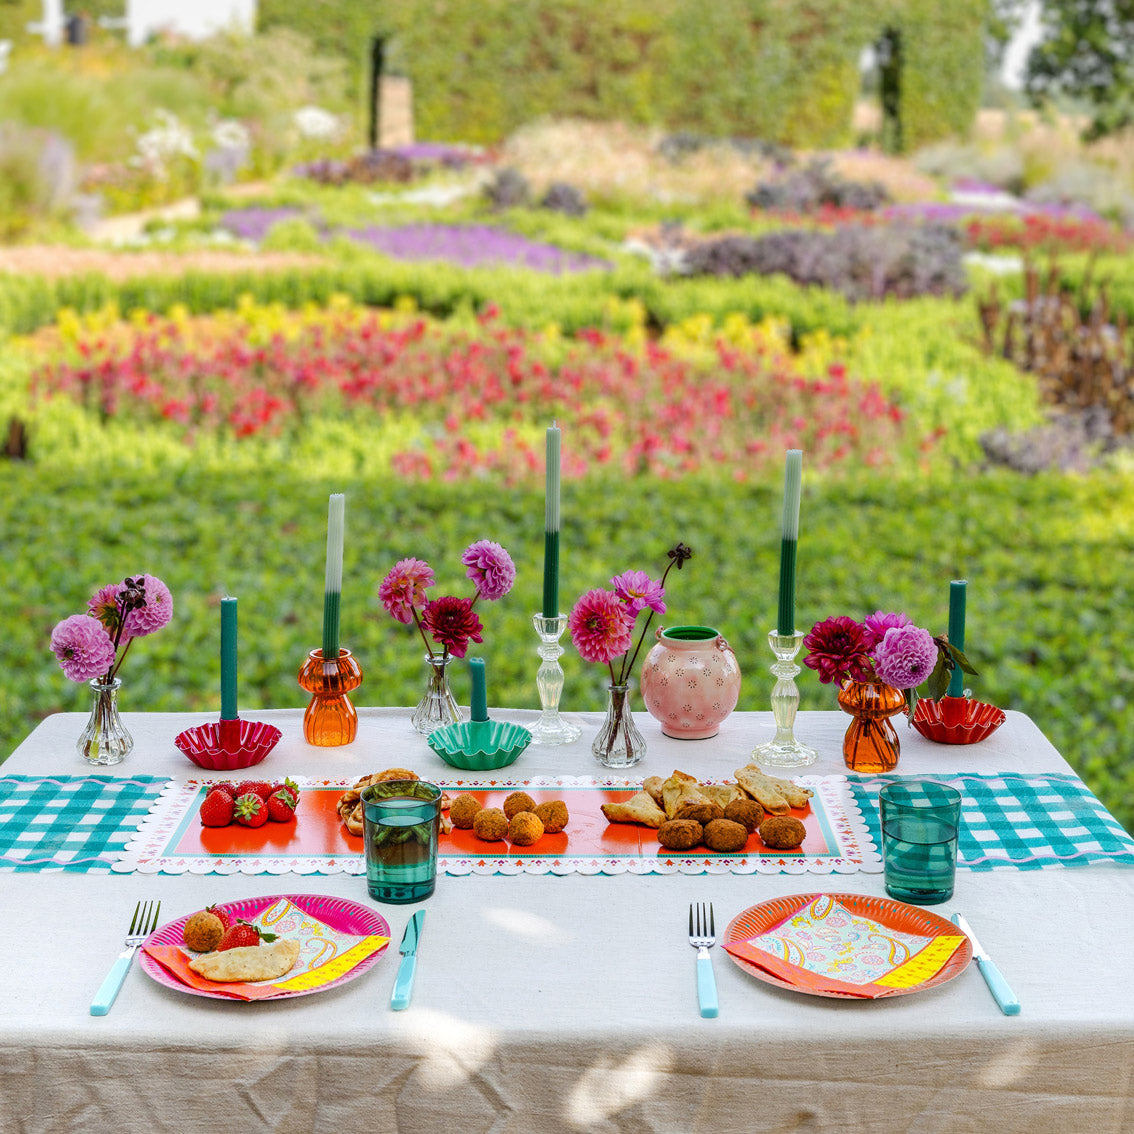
(690, 633)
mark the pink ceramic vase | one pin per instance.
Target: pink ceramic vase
(690, 681)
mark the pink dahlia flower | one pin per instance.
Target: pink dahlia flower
(837, 650)
(153, 614)
(83, 647)
(637, 590)
(491, 569)
(103, 605)
(453, 623)
(404, 587)
(601, 626)
(878, 623)
(905, 657)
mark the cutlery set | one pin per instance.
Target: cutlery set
(702, 937)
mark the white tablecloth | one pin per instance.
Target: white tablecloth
(547, 1003)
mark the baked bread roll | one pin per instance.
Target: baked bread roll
(248, 962)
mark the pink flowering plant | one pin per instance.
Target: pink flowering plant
(94, 645)
(450, 621)
(601, 623)
(883, 647)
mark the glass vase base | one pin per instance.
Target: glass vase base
(330, 719)
(784, 754)
(554, 730)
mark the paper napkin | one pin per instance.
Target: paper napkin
(325, 955)
(825, 947)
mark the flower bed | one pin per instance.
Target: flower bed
(452, 401)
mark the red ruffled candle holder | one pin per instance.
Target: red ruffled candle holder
(330, 719)
(956, 720)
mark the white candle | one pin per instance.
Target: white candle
(335, 519)
(551, 506)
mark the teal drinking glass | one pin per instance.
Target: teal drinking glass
(401, 822)
(920, 819)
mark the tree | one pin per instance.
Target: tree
(1087, 52)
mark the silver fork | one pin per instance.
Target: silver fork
(702, 938)
(142, 924)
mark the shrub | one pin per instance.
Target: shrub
(817, 186)
(861, 263)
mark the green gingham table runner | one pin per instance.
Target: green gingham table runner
(1018, 822)
(78, 824)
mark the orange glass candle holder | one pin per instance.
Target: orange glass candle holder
(871, 744)
(330, 719)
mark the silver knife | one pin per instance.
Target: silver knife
(997, 985)
(403, 985)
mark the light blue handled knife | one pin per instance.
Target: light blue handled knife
(403, 985)
(997, 985)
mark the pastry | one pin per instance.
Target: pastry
(763, 789)
(248, 962)
(795, 795)
(524, 828)
(681, 789)
(725, 835)
(782, 832)
(680, 834)
(722, 794)
(639, 808)
(553, 815)
(653, 784)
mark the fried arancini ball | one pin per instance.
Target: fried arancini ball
(680, 834)
(725, 835)
(524, 828)
(747, 812)
(553, 815)
(518, 801)
(490, 824)
(202, 932)
(700, 812)
(463, 809)
(782, 832)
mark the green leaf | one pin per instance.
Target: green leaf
(938, 680)
(959, 659)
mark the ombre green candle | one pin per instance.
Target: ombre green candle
(228, 710)
(332, 593)
(789, 540)
(957, 590)
(551, 527)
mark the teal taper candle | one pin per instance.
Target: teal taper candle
(479, 702)
(957, 633)
(228, 659)
(551, 527)
(789, 539)
(332, 594)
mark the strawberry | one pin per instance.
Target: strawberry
(258, 787)
(281, 806)
(250, 810)
(288, 785)
(216, 811)
(241, 934)
(227, 786)
(221, 913)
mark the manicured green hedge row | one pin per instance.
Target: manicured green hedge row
(782, 71)
(1046, 559)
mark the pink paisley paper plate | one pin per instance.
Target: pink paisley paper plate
(885, 911)
(338, 913)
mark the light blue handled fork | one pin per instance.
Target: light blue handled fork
(702, 939)
(143, 923)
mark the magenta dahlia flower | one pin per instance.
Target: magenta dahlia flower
(154, 613)
(453, 623)
(837, 649)
(491, 569)
(404, 587)
(83, 647)
(601, 626)
(905, 657)
(875, 625)
(637, 590)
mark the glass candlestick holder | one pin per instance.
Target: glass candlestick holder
(783, 750)
(330, 719)
(551, 728)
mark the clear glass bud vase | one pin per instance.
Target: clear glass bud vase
(106, 739)
(619, 744)
(438, 707)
